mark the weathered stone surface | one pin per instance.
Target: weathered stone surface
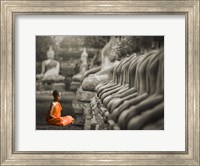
(77, 77)
(93, 123)
(78, 106)
(84, 96)
(75, 85)
(89, 83)
(50, 86)
(111, 124)
(116, 127)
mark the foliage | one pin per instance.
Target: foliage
(95, 41)
(72, 42)
(42, 45)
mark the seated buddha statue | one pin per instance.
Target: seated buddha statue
(108, 62)
(50, 69)
(83, 66)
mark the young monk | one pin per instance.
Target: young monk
(54, 113)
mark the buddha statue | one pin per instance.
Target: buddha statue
(108, 62)
(49, 78)
(50, 69)
(76, 79)
(83, 66)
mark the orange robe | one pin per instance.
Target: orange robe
(58, 120)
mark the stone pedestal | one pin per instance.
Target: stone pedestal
(75, 85)
(87, 114)
(79, 106)
(84, 96)
(50, 86)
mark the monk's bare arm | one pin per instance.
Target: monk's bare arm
(51, 111)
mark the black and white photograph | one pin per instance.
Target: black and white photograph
(99, 82)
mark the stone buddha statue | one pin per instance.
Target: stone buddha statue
(102, 73)
(84, 61)
(76, 79)
(50, 69)
(83, 66)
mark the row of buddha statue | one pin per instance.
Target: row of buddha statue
(129, 90)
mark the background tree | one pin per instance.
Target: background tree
(42, 45)
(96, 41)
(72, 42)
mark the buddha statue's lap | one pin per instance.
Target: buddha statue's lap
(113, 89)
(107, 96)
(126, 94)
(138, 108)
(119, 88)
(102, 76)
(120, 98)
(107, 84)
(90, 82)
(157, 125)
(119, 101)
(127, 103)
(112, 85)
(147, 117)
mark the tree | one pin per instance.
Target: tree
(72, 42)
(96, 41)
(42, 45)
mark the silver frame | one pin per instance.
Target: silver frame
(9, 9)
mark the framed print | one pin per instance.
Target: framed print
(99, 82)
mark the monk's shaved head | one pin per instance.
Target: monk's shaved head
(55, 93)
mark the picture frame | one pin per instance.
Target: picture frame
(10, 9)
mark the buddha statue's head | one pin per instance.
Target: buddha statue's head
(114, 53)
(50, 53)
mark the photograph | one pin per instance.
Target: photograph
(99, 82)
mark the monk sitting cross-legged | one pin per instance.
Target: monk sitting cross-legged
(54, 113)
